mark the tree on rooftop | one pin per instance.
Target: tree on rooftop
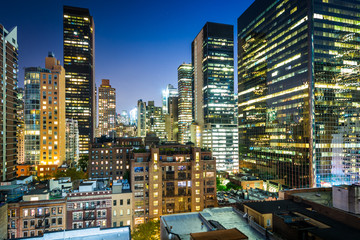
(147, 231)
(83, 162)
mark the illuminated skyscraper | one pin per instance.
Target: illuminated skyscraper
(299, 91)
(169, 92)
(45, 116)
(72, 142)
(133, 116)
(185, 72)
(20, 135)
(8, 102)
(107, 108)
(79, 63)
(213, 93)
(155, 121)
(141, 118)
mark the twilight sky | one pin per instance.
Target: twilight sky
(138, 44)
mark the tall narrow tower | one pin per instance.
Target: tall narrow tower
(79, 64)
(185, 101)
(213, 93)
(107, 108)
(8, 99)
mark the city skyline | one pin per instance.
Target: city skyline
(152, 40)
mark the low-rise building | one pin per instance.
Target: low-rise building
(172, 178)
(122, 204)
(38, 212)
(89, 207)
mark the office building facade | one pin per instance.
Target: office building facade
(8, 97)
(20, 135)
(107, 109)
(185, 72)
(45, 116)
(79, 63)
(72, 142)
(213, 92)
(298, 69)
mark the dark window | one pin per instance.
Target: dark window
(114, 202)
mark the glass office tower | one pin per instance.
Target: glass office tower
(185, 102)
(79, 64)
(213, 92)
(298, 68)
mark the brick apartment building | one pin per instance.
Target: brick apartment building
(110, 158)
(88, 208)
(172, 178)
(39, 211)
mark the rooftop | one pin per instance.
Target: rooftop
(198, 222)
(229, 234)
(274, 206)
(96, 233)
(324, 198)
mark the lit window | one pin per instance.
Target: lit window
(156, 211)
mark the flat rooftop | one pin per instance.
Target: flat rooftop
(228, 218)
(228, 234)
(185, 223)
(323, 198)
(96, 233)
(197, 222)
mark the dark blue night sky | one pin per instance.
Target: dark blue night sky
(139, 44)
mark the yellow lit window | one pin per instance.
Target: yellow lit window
(197, 208)
(156, 194)
(197, 184)
(156, 203)
(197, 175)
(293, 10)
(156, 177)
(197, 191)
(156, 211)
(156, 186)
(197, 200)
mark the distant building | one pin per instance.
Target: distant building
(141, 118)
(171, 120)
(213, 93)
(107, 109)
(185, 72)
(122, 204)
(79, 63)
(133, 116)
(20, 127)
(172, 179)
(168, 93)
(8, 97)
(3, 221)
(110, 158)
(72, 142)
(155, 121)
(45, 117)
